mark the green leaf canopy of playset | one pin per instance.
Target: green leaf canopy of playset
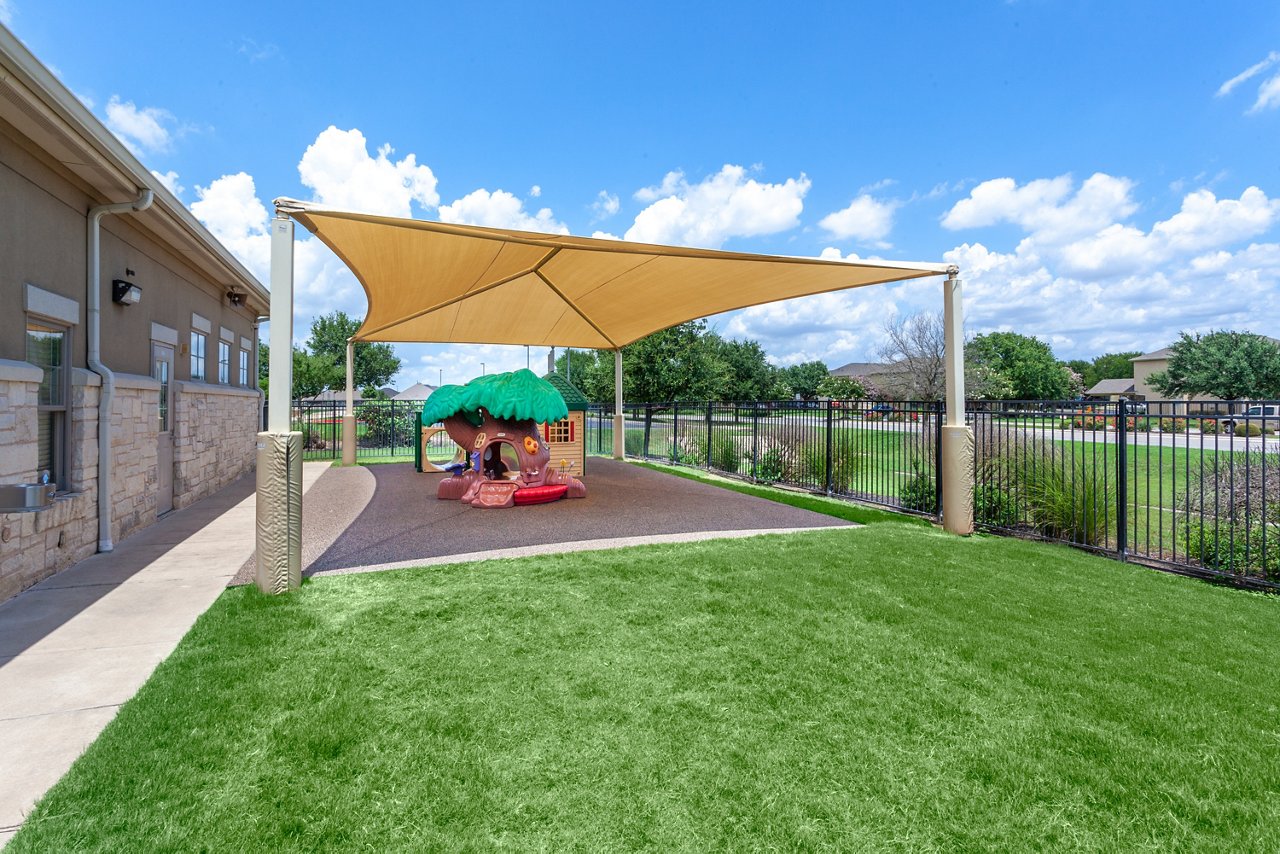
(516, 396)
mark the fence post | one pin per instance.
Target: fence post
(828, 478)
(675, 431)
(709, 405)
(1122, 481)
(937, 456)
(755, 441)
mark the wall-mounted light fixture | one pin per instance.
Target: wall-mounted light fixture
(125, 293)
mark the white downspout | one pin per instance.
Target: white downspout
(94, 337)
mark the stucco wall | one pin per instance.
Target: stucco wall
(43, 222)
(214, 438)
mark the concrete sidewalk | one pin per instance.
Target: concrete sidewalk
(79, 644)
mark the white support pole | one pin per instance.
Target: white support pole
(279, 460)
(957, 438)
(619, 445)
(280, 370)
(349, 413)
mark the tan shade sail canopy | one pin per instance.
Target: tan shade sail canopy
(440, 283)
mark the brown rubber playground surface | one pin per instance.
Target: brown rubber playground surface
(371, 516)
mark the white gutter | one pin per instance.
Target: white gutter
(94, 336)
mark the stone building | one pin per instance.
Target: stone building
(157, 340)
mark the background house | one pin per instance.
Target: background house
(181, 360)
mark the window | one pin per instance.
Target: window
(47, 350)
(244, 367)
(197, 356)
(224, 362)
(560, 431)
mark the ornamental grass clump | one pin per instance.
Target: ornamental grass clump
(1070, 500)
(1228, 516)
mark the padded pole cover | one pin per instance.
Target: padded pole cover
(279, 516)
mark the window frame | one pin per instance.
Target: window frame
(58, 464)
(244, 368)
(224, 364)
(199, 342)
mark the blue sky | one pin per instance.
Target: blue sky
(1106, 174)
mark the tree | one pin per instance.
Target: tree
(842, 388)
(916, 347)
(575, 366)
(1109, 366)
(311, 375)
(1027, 363)
(1229, 365)
(805, 378)
(374, 364)
(744, 371)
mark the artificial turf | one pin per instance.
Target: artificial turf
(885, 687)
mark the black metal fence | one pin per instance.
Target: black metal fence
(882, 453)
(1194, 490)
(385, 429)
(1189, 486)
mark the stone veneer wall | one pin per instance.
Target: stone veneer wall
(34, 546)
(215, 433)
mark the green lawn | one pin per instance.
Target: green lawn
(887, 687)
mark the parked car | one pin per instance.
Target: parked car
(1264, 416)
(1135, 407)
(882, 408)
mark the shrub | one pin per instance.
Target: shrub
(1065, 424)
(725, 454)
(387, 425)
(1241, 549)
(1208, 425)
(1142, 423)
(1173, 425)
(1090, 422)
(1248, 430)
(896, 416)
(1066, 503)
(771, 468)
(920, 492)
(995, 506)
(844, 467)
(633, 440)
(871, 416)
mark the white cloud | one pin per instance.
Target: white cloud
(1250, 72)
(722, 206)
(605, 206)
(866, 220)
(258, 51)
(1268, 95)
(1046, 206)
(499, 209)
(1268, 91)
(1118, 285)
(170, 181)
(6, 12)
(142, 129)
(535, 191)
(339, 169)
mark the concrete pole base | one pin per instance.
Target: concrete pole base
(957, 479)
(349, 439)
(619, 438)
(279, 512)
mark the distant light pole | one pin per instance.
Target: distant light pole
(526, 357)
(482, 369)
(441, 378)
